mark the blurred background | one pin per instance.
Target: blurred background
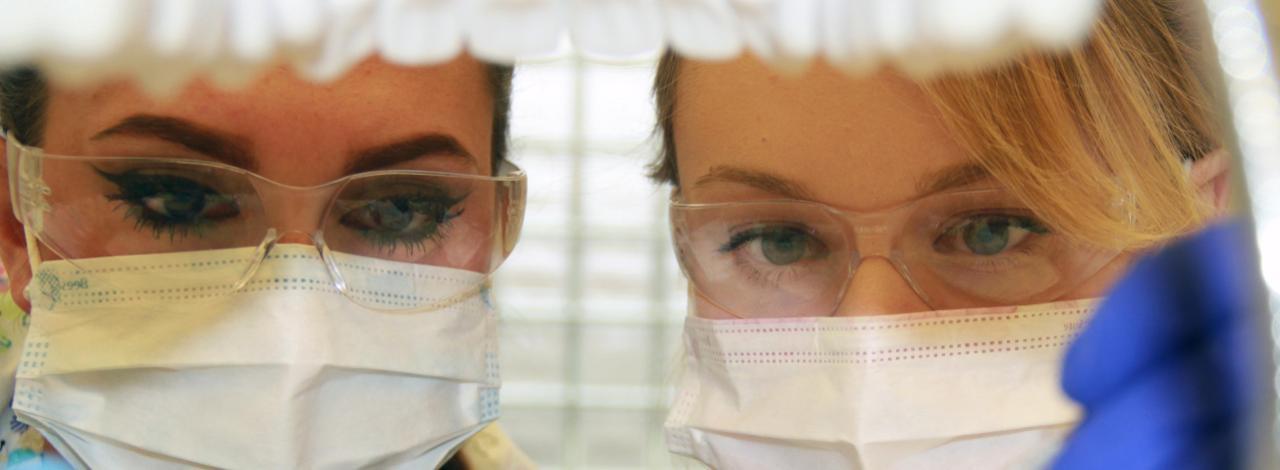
(592, 300)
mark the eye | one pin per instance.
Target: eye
(187, 206)
(778, 245)
(409, 219)
(168, 202)
(988, 235)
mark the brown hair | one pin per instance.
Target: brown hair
(23, 94)
(1094, 138)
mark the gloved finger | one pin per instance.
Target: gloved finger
(1190, 289)
(1174, 415)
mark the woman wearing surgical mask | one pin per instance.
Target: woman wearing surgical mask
(290, 275)
(885, 272)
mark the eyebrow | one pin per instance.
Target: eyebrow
(953, 177)
(220, 146)
(234, 150)
(756, 179)
(406, 150)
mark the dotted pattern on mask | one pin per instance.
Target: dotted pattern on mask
(405, 273)
(888, 325)
(409, 301)
(93, 297)
(711, 350)
(490, 405)
(490, 401)
(491, 368)
(117, 295)
(678, 435)
(885, 355)
(434, 278)
(90, 298)
(197, 293)
(29, 395)
(161, 267)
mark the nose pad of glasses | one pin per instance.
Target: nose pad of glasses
(329, 262)
(273, 238)
(259, 254)
(896, 258)
(879, 286)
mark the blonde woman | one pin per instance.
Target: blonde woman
(885, 272)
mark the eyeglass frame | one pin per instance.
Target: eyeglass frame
(26, 180)
(853, 235)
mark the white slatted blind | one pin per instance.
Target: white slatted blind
(591, 299)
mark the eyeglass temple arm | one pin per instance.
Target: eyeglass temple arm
(11, 162)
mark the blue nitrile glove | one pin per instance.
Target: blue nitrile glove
(1168, 370)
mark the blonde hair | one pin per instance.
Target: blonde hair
(1094, 139)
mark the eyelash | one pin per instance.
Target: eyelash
(439, 231)
(1008, 259)
(756, 232)
(769, 277)
(1025, 221)
(131, 198)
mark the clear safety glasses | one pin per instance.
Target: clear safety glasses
(89, 207)
(789, 258)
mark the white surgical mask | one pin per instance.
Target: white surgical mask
(961, 389)
(128, 370)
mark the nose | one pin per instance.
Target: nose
(877, 288)
(295, 236)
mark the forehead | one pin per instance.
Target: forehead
(854, 142)
(282, 112)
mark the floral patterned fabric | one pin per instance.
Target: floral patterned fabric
(21, 447)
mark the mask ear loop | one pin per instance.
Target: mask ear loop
(19, 184)
(33, 250)
(33, 259)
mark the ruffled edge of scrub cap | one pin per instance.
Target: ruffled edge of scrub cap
(162, 43)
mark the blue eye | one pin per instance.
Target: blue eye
(989, 235)
(779, 245)
(169, 203)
